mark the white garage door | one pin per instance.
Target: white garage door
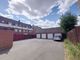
(44, 36)
(38, 35)
(50, 36)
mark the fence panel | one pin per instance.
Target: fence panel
(74, 35)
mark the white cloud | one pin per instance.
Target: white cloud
(31, 8)
(65, 5)
(36, 9)
(24, 19)
(78, 18)
(6, 15)
(46, 23)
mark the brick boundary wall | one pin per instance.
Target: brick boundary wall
(21, 36)
(6, 39)
(74, 35)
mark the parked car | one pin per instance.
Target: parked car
(57, 36)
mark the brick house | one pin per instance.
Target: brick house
(20, 30)
(16, 26)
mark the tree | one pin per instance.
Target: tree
(68, 22)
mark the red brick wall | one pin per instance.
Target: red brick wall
(6, 38)
(21, 36)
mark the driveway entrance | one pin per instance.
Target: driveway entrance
(35, 49)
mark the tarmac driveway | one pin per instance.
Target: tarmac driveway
(35, 49)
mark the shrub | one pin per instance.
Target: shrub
(73, 50)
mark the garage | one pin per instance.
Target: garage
(38, 35)
(50, 33)
(43, 36)
(50, 36)
(57, 36)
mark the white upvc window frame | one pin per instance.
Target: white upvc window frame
(9, 23)
(2, 21)
(20, 30)
(23, 30)
(16, 30)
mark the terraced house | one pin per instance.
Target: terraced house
(20, 30)
(16, 26)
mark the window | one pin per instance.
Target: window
(10, 23)
(25, 27)
(3, 21)
(23, 30)
(29, 26)
(19, 25)
(19, 30)
(16, 30)
(13, 24)
(16, 24)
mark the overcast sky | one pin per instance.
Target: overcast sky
(42, 13)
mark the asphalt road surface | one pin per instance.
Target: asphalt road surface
(34, 49)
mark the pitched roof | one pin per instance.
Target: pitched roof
(14, 21)
(50, 30)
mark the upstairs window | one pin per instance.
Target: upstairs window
(20, 30)
(3, 21)
(23, 30)
(16, 30)
(10, 23)
(16, 24)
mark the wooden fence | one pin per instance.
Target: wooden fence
(74, 35)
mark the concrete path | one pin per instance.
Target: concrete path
(35, 49)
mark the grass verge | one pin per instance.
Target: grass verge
(72, 52)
